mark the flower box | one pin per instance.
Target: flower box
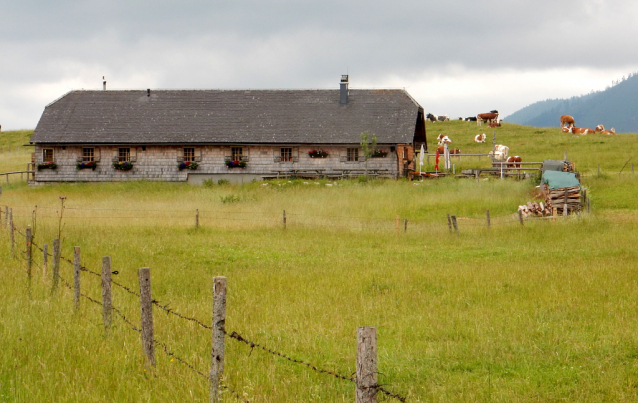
(379, 154)
(47, 165)
(236, 164)
(192, 165)
(317, 154)
(87, 165)
(123, 166)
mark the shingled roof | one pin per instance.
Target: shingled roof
(222, 117)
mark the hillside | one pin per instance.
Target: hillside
(615, 107)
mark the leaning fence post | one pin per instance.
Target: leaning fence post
(455, 225)
(219, 331)
(366, 375)
(449, 222)
(146, 306)
(107, 305)
(29, 239)
(197, 218)
(12, 233)
(56, 264)
(488, 217)
(76, 276)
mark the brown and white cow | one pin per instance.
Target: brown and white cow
(480, 138)
(566, 120)
(610, 132)
(514, 162)
(569, 129)
(494, 124)
(443, 139)
(582, 130)
(487, 117)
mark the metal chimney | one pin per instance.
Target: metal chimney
(103, 84)
(148, 92)
(343, 90)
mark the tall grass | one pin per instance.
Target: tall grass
(511, 313)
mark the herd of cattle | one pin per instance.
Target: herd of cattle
(500, 152)
(567, 125)
(490, 117)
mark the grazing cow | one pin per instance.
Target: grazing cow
(480, 138)
(494, 124)
(500, 152)
(488, 117)
(514, 162)
(443, 118)
(455, 151)
(431, 117)
(566, 120)
(470, 119)
(610, 132)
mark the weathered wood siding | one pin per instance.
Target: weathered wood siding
(160, 163)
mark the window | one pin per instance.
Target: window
(47, 155)
(353, 154)
(189, 154)
(124, 155)
(236, 153)
(286, 155)
(88, 154)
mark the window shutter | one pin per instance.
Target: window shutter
(133, 154)
(343, 155)
(198, 154)
(96, 154)
(295, 154)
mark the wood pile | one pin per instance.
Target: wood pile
(558, 198)
(534, 209)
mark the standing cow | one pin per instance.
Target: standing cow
(487, 117)
(566, 120)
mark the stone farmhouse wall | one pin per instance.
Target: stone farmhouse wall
(160, 163)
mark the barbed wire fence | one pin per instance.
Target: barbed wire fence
(366, 385)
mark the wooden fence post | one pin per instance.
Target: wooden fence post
(366, 375)
(146, 305)
(107, 304)
(45, 259)
(6, 215)
(12, 233)
(397, 220)
(76, 276)
(219, 332)
(56, 264)
(29, 239)
(520, 218)
(449, 222)
(284, 219)
(588, 205)
(488, 218)
(197, 218)
(405, 225)
(599, 169)
(455, 225)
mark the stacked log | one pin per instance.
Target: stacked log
(558, 199)
(534, 209)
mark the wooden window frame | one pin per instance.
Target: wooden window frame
(124, 154)
(189, 154)
(236, 153)
(286, 154)
(49, 151)
(88, 154)
(352, 155)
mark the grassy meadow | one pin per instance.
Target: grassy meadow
(540, 312)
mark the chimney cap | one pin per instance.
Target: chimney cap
(148, 92)
(344, 78)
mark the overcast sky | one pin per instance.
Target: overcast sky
(454, 57)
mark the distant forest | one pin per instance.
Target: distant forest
(616, 106)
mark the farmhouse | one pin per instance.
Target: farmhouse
(238, 135)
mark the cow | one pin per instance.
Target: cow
(455, 151)
(443, 139)
(569, 129)
(514, 162)
(599, 128)
(494, 124)
(488, 117)
(581, 130)
(480, 138)
(470, 119)
(566, 120)
(610, 132)
(500, 152)
(443, 118)
(431, 117)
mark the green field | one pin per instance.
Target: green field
(540, 312)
